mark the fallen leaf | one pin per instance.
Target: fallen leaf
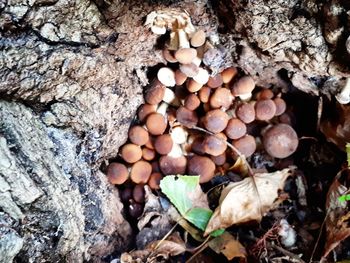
(229, 246)
(240, 167)
(239, 201)
(338, 216)
(187, 196)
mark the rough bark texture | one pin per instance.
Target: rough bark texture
(72, 74)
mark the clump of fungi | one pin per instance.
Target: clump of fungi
(186, 98)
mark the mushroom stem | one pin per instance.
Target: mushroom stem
(344, 96)
(163, 108)
(170, 98)
(183, 39)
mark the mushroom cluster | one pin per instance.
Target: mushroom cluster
(185, 99)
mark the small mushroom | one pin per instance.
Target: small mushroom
(138, 135)
(148, 154)
(131, 153)
(280, 140)
(135, 209)
(186, 117)
(245, 145)
(156, 123)
(193, 86)
(138, 193)
(265, 109)
(190, 70)
(215, 81)
(154, 181)
(126, 195)
(265, 94)
(192, 102)
(220, 159)
(215, 120)
(204, 94)
(246, 112)
(172, 165)
(202, 166)
(196, 144)
(140, 172)
(185, 55)
(243, 88)
(198, 38)
(221, 98)
(235, 129)
(179, 135)
(281, 106)
(202, 77)
(168, 56)
(215, 144)
(145, 110)
(166, 76)
(228, 74)
(155, 93)
(163, 144)
(117, 173)
(180, 77)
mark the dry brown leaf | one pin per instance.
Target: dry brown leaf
(240, 167)
(229, 246)
(240, 203)
(338, 217)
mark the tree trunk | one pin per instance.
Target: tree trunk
(71, 76)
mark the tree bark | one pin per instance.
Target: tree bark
(72, 74)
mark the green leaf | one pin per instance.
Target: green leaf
(199, 217)
(348, 153)
(217, 233)
(344, 198)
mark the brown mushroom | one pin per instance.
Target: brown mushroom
(126, 195)
(140, 172)
(168, 56)
(156, 123)
(131, 153)
(265, 94)
(138, 135)
(265, 109)
(193, 86)
(202, 166)
(198, 38)
(148, 154)
(215, 81)
(135, 209)
(117, 173)
(163, 144)
(186, 117)
(138, 193)
(228, 74)
(180, 77)
(155, 167)
(154, 180)
(215, 120)
(145, 110)
(281, 106)
(155, 93)
(215, 144)
(192, 102)
(221, 98)
(172, 165)
(243, 87)
(245, 145)
(235, 129)
(280, 140)
(204, 94)
(185, 55)
(246, 112)
(220, 159)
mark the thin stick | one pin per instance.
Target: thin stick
(202, 246)
(287, 253)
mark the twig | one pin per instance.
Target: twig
(201, 247)
(287, 253)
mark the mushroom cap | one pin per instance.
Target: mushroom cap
(145, 110)
(140, 172)
(126, 195)
(215, 144)
(155, 93)
(166, 76)
(193, 86)
(215, 81)
(180, 77)
(246, 112)
(168, 56)
(228, 74)
(135, 209)
(148, 154)
(156, 123)
(280, 140)
(198, 38)
(185, 55)
(202, 166)
(216, 120)
(138, 135)
(172, 165)
(265, 109)
(221, 97)
(245, 145)
(163, 144)
(190, 70)
(244, 85)
(202, 77)
(117, 173)
(281, 106)
(235, 129)
(154, 180)
(186, 117)
(197, 144)
(265, 94)
(138, 193)
(131, 153)
(204, 94)
(220, 159)
(192, 102)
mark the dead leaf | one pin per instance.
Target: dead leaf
(239, 202)
(240, 167)
(229, 246)
(338, 217)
